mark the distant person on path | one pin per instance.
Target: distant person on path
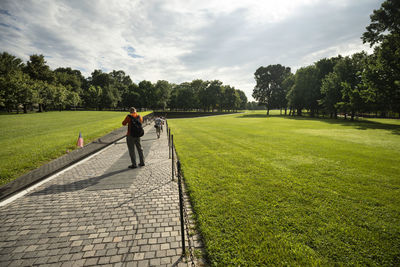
(158, 124)
(132, 138)
(162, 123)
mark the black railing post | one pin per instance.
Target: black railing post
(169, 143)
(181, 207)
(173, 159)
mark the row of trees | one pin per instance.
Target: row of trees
(349, 85)
(35, 84)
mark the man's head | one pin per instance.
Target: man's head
(132, 110)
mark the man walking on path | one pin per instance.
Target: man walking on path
(158, 125)
(133, 141)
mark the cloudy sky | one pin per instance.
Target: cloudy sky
(183, 40)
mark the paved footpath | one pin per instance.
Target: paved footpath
(99, 212)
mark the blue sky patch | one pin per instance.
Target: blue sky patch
(5, 12)
(131, 52)
(9, 26)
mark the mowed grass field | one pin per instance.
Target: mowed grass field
(27, 141)
(293, 191)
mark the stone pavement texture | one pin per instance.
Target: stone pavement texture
(99, 213)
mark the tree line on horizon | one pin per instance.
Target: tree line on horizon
(34, 84)
(355, 84)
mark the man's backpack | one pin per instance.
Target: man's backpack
(136, 129)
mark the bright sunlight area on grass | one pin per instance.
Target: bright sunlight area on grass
(293, 190)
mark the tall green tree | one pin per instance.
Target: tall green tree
(213, 94)
(201, 88)
(38, 69)
(382, 76)
(23, 87)
(231, 99)
(331, 90)
(17, 89)
(9, 63)
(349, 70)
(186, 99)
(147, 94)
(131, 96)
(313, 91)
(72, 81)
(328, 97)
(385, 21)
(325, 66)
(305, 91)
(110, 95)
(287, 85)
(93, 96)
(162, 91)
(73, 99)
(382, 73)
(10, 76)
(243, 99)
(269, 85)
(198, 86)
(69, 78)
(121, 82)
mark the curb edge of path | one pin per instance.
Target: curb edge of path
(62, 162)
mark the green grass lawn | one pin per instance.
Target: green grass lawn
(293, 191)
(28, 141)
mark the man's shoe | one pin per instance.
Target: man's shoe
(132, 167)
(141, 164)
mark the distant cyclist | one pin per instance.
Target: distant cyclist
(158, 122)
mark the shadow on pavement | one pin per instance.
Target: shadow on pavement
(78, 185)
(178, 261)
(118, 176)
(143, 194)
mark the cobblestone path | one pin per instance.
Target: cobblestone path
(98, 212)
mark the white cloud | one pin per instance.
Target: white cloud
(184, 40)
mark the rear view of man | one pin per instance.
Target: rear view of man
(133, 137)
(158, 125)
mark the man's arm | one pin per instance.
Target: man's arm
(125, 122)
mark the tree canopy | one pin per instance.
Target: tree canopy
(350, 85)
(34, 84)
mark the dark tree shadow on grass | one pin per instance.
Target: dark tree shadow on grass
(358, 124)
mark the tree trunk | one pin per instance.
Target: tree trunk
(299, 112)
(285, 111)
(25, 109)
(267, 111)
